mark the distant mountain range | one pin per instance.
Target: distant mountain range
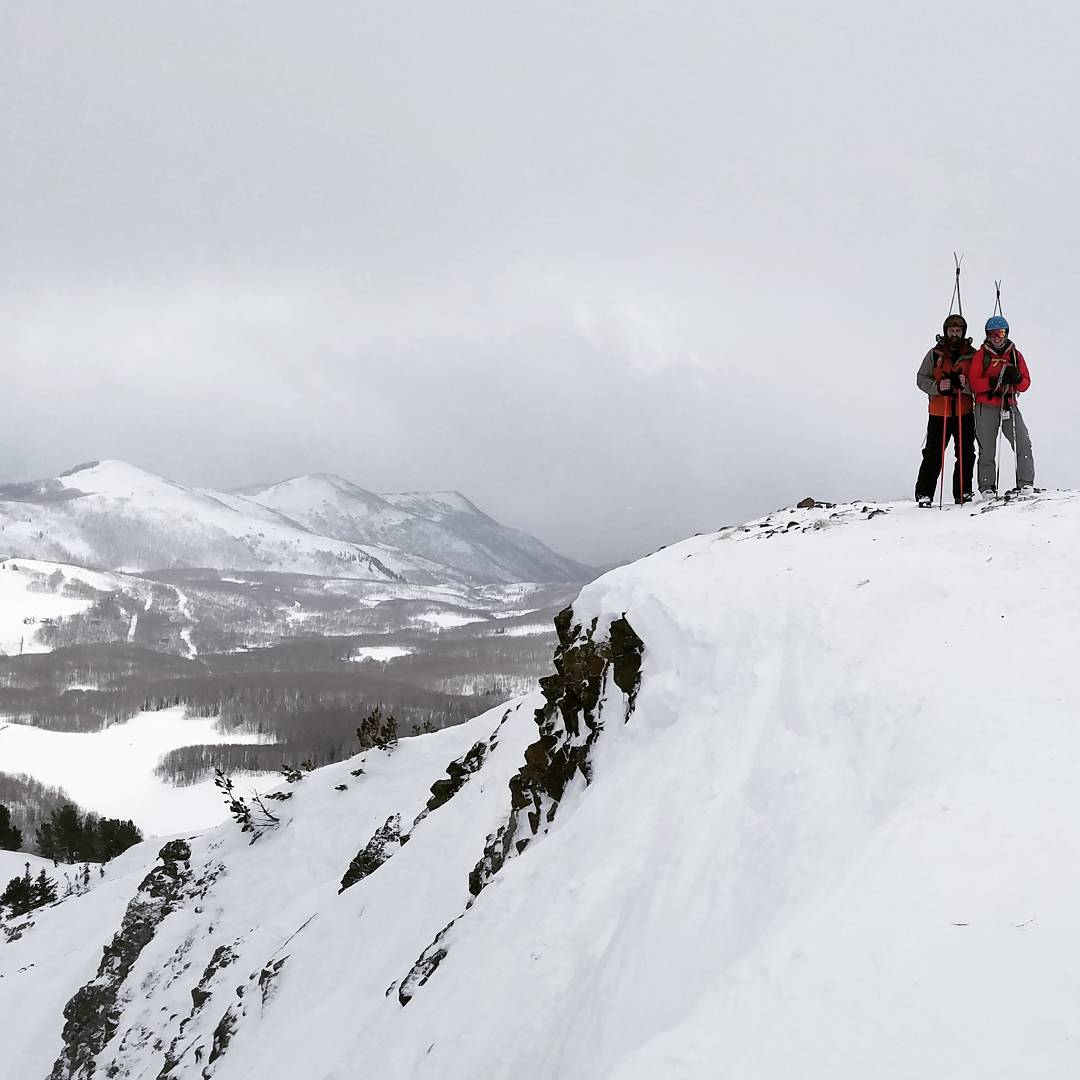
(114, 516)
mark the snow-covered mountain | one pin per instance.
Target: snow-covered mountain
(799, 801)
(113, 516)
(442, 527)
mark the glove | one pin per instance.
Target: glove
(1010, 375)
(946, 385)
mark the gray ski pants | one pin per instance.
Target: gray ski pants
(987, 420)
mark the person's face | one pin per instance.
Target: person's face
(954, 332)
(997, 337)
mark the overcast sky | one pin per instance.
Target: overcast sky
(618, 271)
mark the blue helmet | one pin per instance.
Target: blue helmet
(997, 322)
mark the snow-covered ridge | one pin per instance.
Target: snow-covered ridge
(114, 516)
(799, 801)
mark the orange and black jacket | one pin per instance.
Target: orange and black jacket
(939, 364)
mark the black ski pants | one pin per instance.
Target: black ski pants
(956, 428)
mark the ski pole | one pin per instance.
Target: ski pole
(1015, 445)
(960, 445)
(944, 432)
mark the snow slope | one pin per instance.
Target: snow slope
(825, 831)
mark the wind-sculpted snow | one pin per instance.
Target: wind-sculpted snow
(800, 800)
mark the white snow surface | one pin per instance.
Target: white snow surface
(13, 864)
(34, 593)
(834, 839)
(112, 771)
(380, 653)
(25, 605)
(523, 630)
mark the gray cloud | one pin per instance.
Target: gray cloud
(619, 272)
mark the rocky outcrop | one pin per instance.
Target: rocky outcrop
(569, 723)
(389, 839)
(224, 957)
(383, 844)
(93, 1014)
(459, 771)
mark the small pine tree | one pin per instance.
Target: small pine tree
(25, 893)
(18, 895)
(11, 838)
(44, 889)
(378, 731)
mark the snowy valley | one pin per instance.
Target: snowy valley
(798, 799)
(151, 632)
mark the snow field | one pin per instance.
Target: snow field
(112, 771)
(382, 654)
(26, 600)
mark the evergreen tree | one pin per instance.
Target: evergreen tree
(11, 838)
(43, 890)
(18, 896)
(114, 838)
(378, 730)
(44, 840)
(24, 893)
(68, 834)
(66, 837)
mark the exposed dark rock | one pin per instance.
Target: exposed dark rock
(626, 650)
(569, 723)
(384, 843)
(267, 978)
(224, 955)
(224, 1032)
(459, 771)
(425, 966)
(389, 838)
(779, 523)
(93, 1014)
